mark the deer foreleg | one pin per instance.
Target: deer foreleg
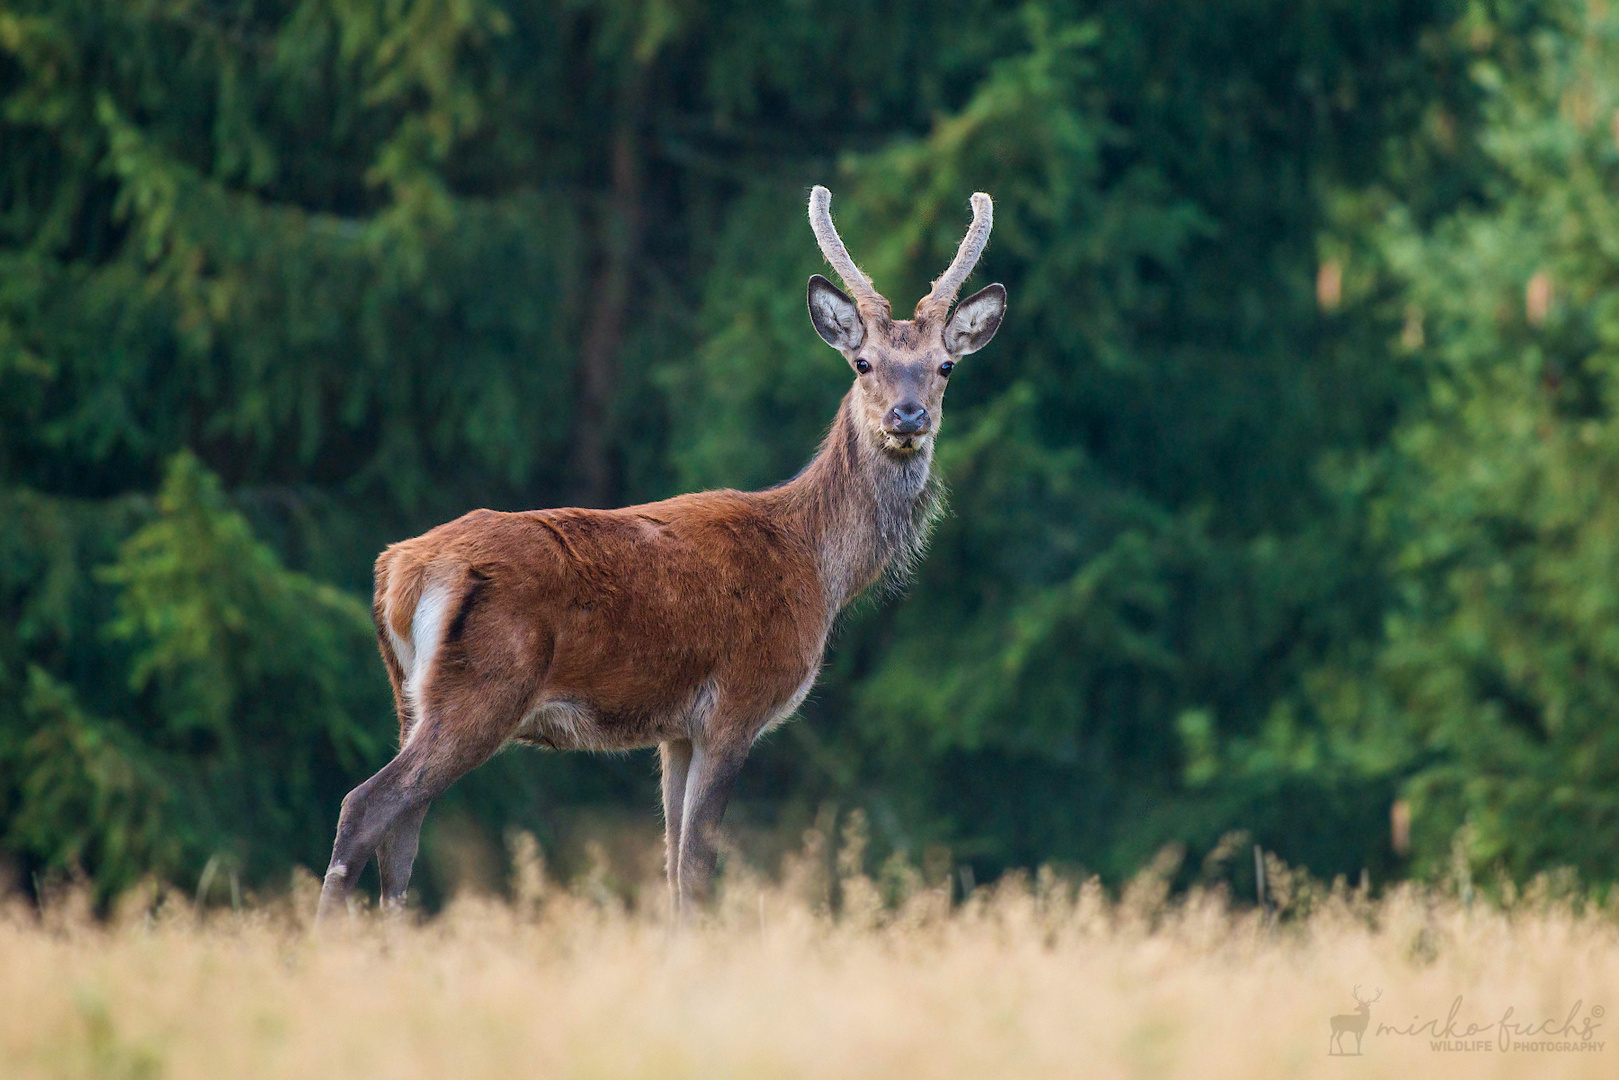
(675, 757)
(709, 782)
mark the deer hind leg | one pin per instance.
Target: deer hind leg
(675, 758)
(396, 855)
(397, 852)
(709, 782)
(464, 719)
(369, 813)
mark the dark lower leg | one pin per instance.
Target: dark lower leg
(675, 757)
(397, 854)
(708, 789)
(400, 793)
(464, 720)
(370, 812)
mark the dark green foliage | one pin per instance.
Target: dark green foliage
(321, 275)
(240, 711)
(1497, 681)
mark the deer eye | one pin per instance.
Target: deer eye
(946, 368)
(862, 366)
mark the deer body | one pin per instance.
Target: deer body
(692, 624)
(685, 618)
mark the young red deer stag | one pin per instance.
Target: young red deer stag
(693, 624)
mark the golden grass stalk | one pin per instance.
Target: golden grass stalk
(1041, 978)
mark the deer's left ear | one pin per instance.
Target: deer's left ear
(975, 321)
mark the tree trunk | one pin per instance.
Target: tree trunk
(595, 471)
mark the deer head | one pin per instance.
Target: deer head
(901, 366)
(1365, 1003)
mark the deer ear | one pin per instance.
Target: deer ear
(975, 321)
(836, 318)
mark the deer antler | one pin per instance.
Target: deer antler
(936, 304)
(871, 303)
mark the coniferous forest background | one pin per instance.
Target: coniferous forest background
(1288, 492)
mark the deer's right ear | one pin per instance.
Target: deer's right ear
(836, 318)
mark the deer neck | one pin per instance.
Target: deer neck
(865, 513)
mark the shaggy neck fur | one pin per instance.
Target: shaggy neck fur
(866, 513)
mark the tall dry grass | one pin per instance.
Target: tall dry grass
(1041, 978)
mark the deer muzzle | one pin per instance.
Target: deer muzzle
(907, 418)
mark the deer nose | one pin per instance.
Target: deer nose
(906, 418)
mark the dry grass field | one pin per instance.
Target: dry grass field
(1041, 978)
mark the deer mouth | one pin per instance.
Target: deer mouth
(904, 444)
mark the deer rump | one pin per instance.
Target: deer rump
(694, 618)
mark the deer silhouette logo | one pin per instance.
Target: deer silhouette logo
(1354, 1023)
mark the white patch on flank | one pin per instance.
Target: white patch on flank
(426, 632)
